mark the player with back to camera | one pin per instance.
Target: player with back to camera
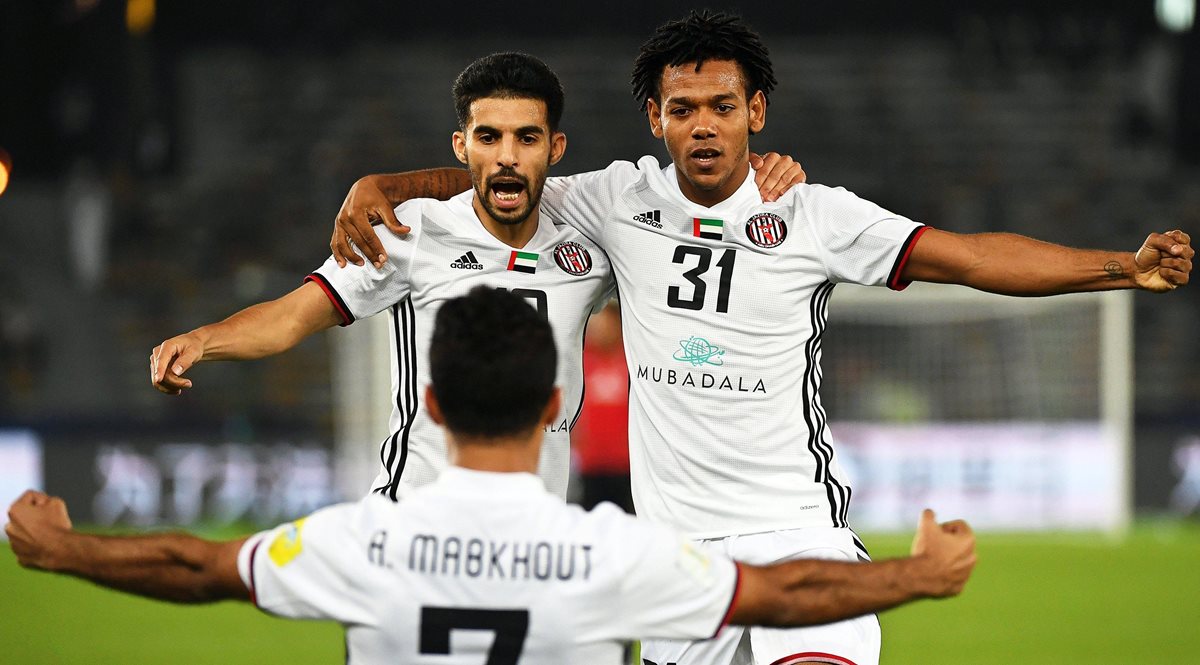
(485, 563)
(509, 106)
(725, 299)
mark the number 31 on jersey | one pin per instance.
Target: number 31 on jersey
(702, 258)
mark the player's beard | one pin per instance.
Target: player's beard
(533, 195)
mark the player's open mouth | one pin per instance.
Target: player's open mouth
(507, 193)
(705, 158)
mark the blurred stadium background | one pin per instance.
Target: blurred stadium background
(173, 162)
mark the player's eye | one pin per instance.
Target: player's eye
(529, 139)
(680, 112)
(485, 138)
(724, 108)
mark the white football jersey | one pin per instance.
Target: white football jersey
(722, 311)
(561, 273)
(487, 567)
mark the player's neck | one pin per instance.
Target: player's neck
(711, 197)
(515, 454)
(513, 235)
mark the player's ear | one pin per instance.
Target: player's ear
(758, 111)
(550, 413)
(653, 115)
(459, 141)
(558, 146)
(435, 409)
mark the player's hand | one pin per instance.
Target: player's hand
(169, 360)
(36, 525)
(947, 552)
(775, 174)
(1164, 261)
(365, 205)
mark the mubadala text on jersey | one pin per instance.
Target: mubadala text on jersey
(702, 380)
(453, 556)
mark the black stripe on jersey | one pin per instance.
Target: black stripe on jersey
(406, 331)
(814, 414)
(396, 446)
(582, 382)
(843, 504)
(338, 303)
(893, 281)
(844, 491)
(862, 549)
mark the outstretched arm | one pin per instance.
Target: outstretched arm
(373, 198)
(255, 332)
(813, 591)
(172, 566)
(1015, 265)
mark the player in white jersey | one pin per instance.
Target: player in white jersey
(509, 107)
(726, 300)
(485, 565)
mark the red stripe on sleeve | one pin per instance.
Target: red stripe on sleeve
(737, 588)
(813, 657)
(253, 587)
(894, 281)
(347, 318)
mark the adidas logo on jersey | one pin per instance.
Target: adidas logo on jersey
(649, 218)
(467, 262)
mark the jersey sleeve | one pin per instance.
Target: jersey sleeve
(670, 588)
(304, 569)
(859, 242)
(584, 200)
(362, 291)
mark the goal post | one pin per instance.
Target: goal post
(361, 373)
(1014, 413)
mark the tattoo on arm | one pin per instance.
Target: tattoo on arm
(439, 184)
(1113, 268)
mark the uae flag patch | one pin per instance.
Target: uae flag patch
(523, 262)
(707, 228)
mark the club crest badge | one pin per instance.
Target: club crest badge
(766, 230)
(573, 258)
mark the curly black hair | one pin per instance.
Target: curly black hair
(698, 37)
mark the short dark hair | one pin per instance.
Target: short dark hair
(492, 363)
(512, 76)
(699, 37)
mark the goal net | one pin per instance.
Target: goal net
(1014, 413)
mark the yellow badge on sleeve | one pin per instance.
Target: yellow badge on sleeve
(694, 562)
(287, 545)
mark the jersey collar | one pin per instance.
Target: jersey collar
(463, 202)
(468, 481)
(746, 194)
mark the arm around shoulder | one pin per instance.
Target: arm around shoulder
(373, 199)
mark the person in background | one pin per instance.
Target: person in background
(601, 437)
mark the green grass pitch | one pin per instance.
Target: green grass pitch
(1034, 598)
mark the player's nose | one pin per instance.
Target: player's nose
(704, 127)
(507, 155)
